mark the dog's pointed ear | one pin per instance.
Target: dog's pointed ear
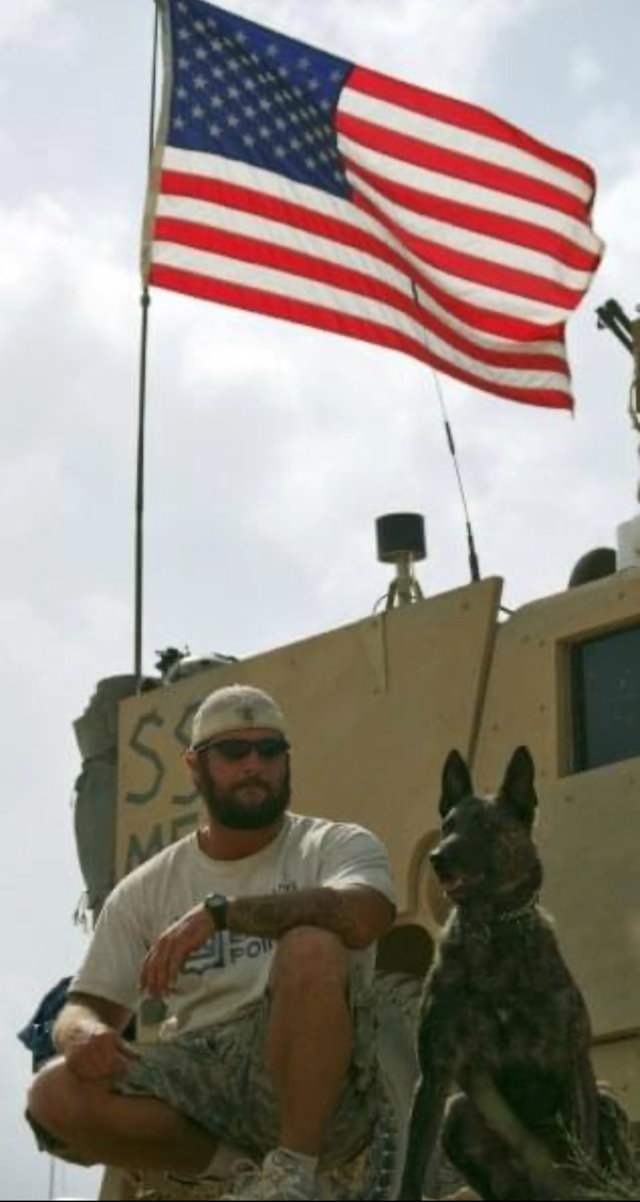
(456, 782)
(518, 790)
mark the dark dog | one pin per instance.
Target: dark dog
(501, 1016)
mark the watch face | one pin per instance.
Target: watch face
(216, 904)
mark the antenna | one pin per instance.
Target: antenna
(474, 566)
(611, 316)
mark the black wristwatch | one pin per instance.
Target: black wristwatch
(216, 906)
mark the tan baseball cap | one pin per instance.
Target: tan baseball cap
(236, 707)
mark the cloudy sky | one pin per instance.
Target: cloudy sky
(271, 449)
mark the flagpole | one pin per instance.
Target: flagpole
(145, 302)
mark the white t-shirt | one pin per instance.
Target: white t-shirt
(232, 969)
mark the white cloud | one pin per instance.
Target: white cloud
(19, 18)
(439, 45)
(40, 21)
(29, 476)
(217, 368)
(585, 69)
(49, 245)
(618, 211)
(40, 641)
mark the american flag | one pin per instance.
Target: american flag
(294, 183)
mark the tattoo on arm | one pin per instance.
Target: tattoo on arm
(357, 915)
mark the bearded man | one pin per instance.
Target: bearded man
(258, 933)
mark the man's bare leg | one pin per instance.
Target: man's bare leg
(310, 1034)
(99, 1127)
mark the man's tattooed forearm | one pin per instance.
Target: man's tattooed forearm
(272, 914)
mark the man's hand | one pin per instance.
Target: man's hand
(88, 1034)
(94, 1052)
(165, 958)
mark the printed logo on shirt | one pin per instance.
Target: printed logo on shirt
(224, 949)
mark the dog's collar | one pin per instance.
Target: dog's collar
(521, 912)
(520, 915)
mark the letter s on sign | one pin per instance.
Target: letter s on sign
(135, 742)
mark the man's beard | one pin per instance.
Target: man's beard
(231, 811)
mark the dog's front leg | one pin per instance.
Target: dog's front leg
(436, 1060)
(547, 1179)
(581, 1109)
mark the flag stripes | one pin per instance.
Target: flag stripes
(431, 227)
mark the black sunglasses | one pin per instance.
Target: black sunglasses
(268, 748)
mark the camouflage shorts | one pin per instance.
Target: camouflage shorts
(218, 1078)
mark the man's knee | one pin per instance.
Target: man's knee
(46, 1096)
(60, 1101)
(50, 1111)
(307, 957)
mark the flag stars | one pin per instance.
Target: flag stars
(265, 102)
